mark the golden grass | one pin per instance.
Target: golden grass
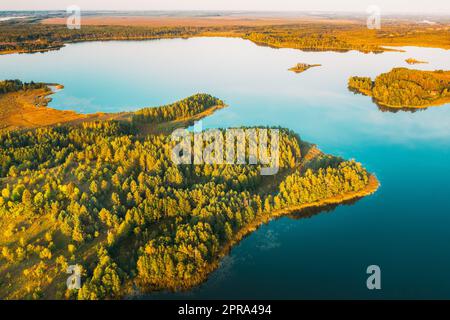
(353, 30)
(20, 110)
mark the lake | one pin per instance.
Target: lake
(404, 228)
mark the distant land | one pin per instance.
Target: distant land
(43, 31)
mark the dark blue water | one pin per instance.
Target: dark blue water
(404, 228)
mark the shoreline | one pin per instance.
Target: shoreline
(21, 112)
(204, 274)
(378, 49)
(367, 93)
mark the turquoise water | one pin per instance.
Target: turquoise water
(403, 228)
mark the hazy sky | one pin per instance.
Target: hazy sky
(407, 6)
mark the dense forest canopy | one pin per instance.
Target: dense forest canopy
(402, 87)
(100, 195)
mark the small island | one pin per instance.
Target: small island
(405, 88)
(102, 192)
(302, 67)
(414, 61)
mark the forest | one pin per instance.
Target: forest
(402, 87)
(33, 36)
(7, 86)
(100, 195)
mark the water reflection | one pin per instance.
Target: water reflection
(403, 227)
(383, 108)
(395, 110)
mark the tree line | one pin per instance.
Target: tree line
(114, 202)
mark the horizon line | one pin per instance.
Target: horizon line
(230, 11)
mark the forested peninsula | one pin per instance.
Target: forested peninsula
(405, 88)
(102, 192)
(31, 35)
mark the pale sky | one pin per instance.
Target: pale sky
(402, 6)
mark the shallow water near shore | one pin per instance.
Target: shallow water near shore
(403, 228)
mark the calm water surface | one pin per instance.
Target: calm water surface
(403, 228)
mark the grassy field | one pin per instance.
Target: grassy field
(299, 33)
